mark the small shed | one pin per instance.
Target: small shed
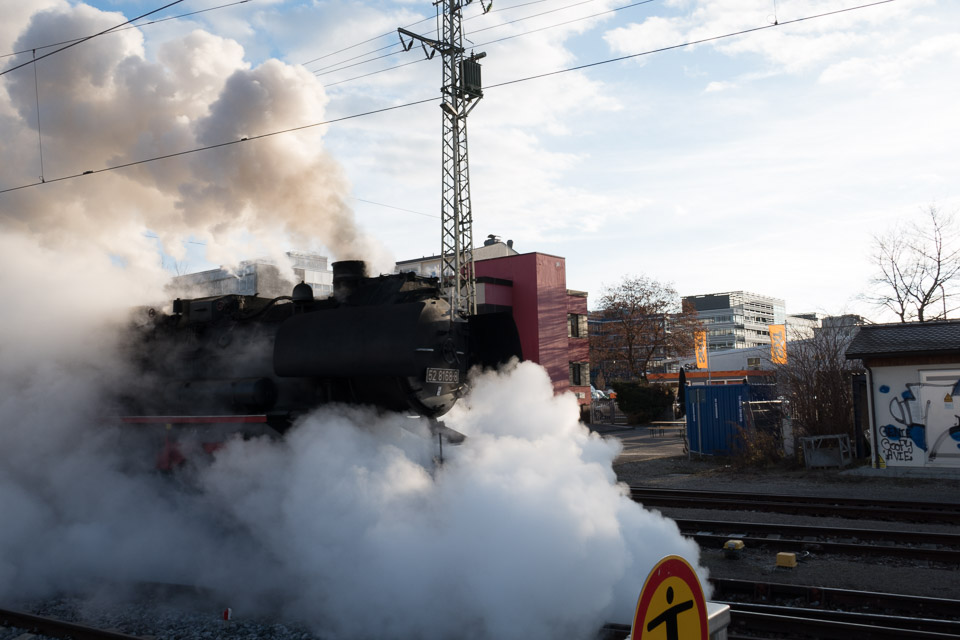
(715, 412)
(913, 383)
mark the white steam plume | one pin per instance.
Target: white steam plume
(523, 532)
(103, 103)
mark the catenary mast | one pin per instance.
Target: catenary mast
(461, 92)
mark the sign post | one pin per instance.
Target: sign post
(671, 605)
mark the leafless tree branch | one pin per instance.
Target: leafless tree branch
(918, 268)
(643, 321)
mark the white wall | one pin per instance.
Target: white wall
(914, 413)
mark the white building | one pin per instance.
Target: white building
(737, 319)
(913, 382)
(429, 266)
(802, 326)
(259, 277)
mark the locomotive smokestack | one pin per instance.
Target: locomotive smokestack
(346, 274)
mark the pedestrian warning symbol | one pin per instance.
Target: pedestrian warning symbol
(671, 605)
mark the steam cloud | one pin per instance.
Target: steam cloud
(522, 532)
(103, 103)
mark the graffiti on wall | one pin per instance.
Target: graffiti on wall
(906, 440)
(895, 445)
(953, 433)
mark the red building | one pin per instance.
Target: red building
(551, 319)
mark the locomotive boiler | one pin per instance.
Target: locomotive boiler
(387, 341)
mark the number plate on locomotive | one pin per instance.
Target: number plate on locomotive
(443, 376)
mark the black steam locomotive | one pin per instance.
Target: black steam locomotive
(386, 341)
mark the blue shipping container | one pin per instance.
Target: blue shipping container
(714, 413)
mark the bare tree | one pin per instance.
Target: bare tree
(641, 320)
(918, 268)
(817, 380)
(179, 267)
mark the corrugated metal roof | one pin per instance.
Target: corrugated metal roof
(904, 339)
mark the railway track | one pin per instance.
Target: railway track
(816, 612)
(40, 625)
(747, 619)
(820, 612)
(751, 625)
(915, 545)
(726, 589)
(856, 508)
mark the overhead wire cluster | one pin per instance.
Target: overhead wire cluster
(127, 25)
(75, 42)
(395, 48)
(393, 33)
(774, 25)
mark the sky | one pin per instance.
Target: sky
(763, 162)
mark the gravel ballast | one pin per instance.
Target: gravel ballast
(888, 575)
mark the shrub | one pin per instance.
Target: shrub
(755, 448)
(643, 402)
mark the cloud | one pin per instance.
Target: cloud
(889, 71)
(790, 48)
(715, 86)
(653, 33)
(105, 104)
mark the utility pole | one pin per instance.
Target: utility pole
(461, 92)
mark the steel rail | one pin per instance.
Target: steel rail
(58, 628)
(951, 556)
(947, 556)
(725, 588)
(785, 497)
(860, 541)
(887, 535)
(900, 616)
(799, 505)
(746, 621)
(933, 625)
(798, 627)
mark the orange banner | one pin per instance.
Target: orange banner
(778, 343)
(700, 338)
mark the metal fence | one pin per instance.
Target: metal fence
(606, 411)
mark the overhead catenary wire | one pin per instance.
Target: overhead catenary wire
(437, 98)
(326, 70)
(535, 15)
(690, 43)
(151, 235)
(390, 206)
(373, 73)
(340, 66)
(393, 32)
(482, 44)
(220, 145)
(36, 93)
(130, 26)
(82, 40)
(561, 24)
(354, 46)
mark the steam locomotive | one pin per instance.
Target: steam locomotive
(386, 341)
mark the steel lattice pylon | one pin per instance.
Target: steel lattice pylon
(461, 91)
